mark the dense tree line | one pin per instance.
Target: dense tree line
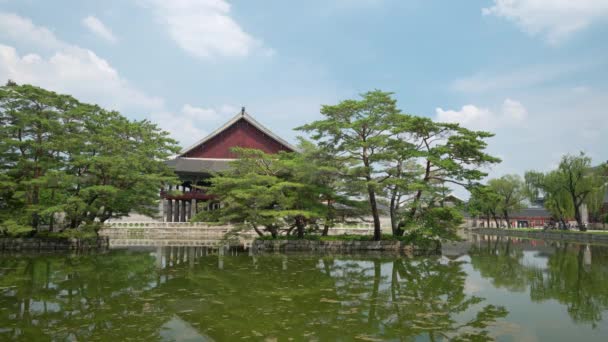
(66, 164)
(564, 191)
(363, 148)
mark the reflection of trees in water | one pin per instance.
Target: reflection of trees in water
(124, 295)
(576, 275)
(75, 298)
(426, 294)
(502, 262)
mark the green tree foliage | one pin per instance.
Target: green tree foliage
(448, 154)
(574, 184)
(406, 159)
(357, 132)
(275, 192)
(583, 184)
(64, 163)
(484, 202)
(556, 198)
(511, 194)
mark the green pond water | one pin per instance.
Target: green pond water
(486, 289)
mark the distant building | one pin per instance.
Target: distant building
(528, 217)
(196, 164)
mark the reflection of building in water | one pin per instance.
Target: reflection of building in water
(172, 256)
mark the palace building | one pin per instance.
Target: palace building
(195, 165)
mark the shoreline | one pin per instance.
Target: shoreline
(100, 243)
(347, 247)
(570, 236)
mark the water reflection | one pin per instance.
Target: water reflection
(575, 275)
(198, 294)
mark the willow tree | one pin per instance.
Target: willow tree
(556, 199)
(571, 186)
(484, 201)
(511, 194)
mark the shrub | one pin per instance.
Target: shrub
(11, 228)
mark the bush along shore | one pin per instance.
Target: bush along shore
(347, 244)
(562, 235)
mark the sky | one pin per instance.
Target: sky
(535, 72)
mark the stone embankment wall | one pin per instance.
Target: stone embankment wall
(17, 244)
(341, 247)
(547, 235)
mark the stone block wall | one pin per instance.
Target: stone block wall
(340, 246)
(548, 235)
(18, 244)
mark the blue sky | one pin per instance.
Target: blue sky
(535, 72)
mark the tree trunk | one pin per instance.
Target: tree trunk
(579, 218)
(393, 214)
(329, 218)
(496, 221)
(506, 213)
(300, 225)
(273, 231)
(257, 230)
(394, 204)
(427, 175)
(325, 229)
(375, 214)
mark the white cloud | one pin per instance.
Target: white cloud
(478, 118)
(552, 123)
(98, 28)
(204, 28)
(66, 68)
(553, 19)
(21, 29)
(514, 79)
(513, 111)
(204, 114)
(193, 123)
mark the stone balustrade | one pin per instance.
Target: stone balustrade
(199, 228)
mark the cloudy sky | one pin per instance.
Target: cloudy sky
(535, 72)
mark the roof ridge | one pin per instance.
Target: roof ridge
(241, 115)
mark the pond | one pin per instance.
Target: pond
(486, 289)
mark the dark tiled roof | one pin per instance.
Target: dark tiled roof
(531, 212)
(241, 116)
(195, 165)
